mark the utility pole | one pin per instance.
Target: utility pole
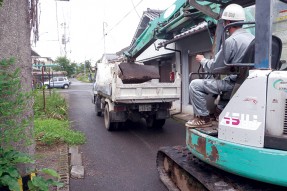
(104, 35)
(64, 25)
(85, 68)
(64, 38)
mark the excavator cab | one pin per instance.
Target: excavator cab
(247, 149)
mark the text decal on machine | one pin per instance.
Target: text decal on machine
(241, 121)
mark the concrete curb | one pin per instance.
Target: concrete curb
(77, 168)
(64, 170)
(181, 117)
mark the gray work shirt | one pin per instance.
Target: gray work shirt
(236, 46)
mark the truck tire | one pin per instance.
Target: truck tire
(155, 123)
(98, 106)
(99, 113)
(108, 124)
(158, 123)
(149, 122)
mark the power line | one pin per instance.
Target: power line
(113, 27)
(124, 17)
(135, 8)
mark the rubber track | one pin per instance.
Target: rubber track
(211, 178)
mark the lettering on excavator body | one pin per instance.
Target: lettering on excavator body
(240, 120)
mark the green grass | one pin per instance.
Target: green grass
(52, 131)
(56, 106)
(52, 126)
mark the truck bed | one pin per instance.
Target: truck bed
(148, 91)
(110, 85)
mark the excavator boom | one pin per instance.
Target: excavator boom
(182, 14)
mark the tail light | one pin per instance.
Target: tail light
(171, 76)
(119, 108)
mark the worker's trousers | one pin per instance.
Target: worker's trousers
(199, 88)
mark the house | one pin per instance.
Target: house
(39, 69)
(34, 56)
(38, 61)
(195, 40)
(162, 58)
(109, 58)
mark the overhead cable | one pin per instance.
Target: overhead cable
(135, 8)
(125, 16)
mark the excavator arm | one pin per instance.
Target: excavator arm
(182, 14)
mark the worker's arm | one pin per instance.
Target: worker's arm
(208, 64)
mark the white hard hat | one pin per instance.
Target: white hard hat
(233, 12)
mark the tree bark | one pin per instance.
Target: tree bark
(15, 43)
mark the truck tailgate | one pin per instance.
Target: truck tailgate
(146, 92)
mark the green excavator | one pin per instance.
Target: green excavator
(247, 148)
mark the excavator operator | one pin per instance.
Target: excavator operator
(236, 45)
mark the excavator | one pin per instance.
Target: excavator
(247, 149)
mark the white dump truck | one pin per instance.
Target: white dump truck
(124, 91)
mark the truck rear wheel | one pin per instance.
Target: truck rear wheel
(98, 106)
(158, 123)
(110, 126)
(99, 113)
(155, 123)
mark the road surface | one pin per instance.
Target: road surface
(123, 160)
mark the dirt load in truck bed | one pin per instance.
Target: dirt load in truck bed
(134, 73)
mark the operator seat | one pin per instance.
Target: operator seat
(276, 53)
(249, 57)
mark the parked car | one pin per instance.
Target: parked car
(58, 82)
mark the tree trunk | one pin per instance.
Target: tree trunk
(15, 43)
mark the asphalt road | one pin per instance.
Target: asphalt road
(123, 160)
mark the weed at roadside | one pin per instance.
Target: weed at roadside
(51, 131)
(56, 106)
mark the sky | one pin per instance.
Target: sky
(82, 22)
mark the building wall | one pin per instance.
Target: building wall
(199, 43)
(162, 58)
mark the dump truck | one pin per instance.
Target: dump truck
(126, 92)
(247, 148)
